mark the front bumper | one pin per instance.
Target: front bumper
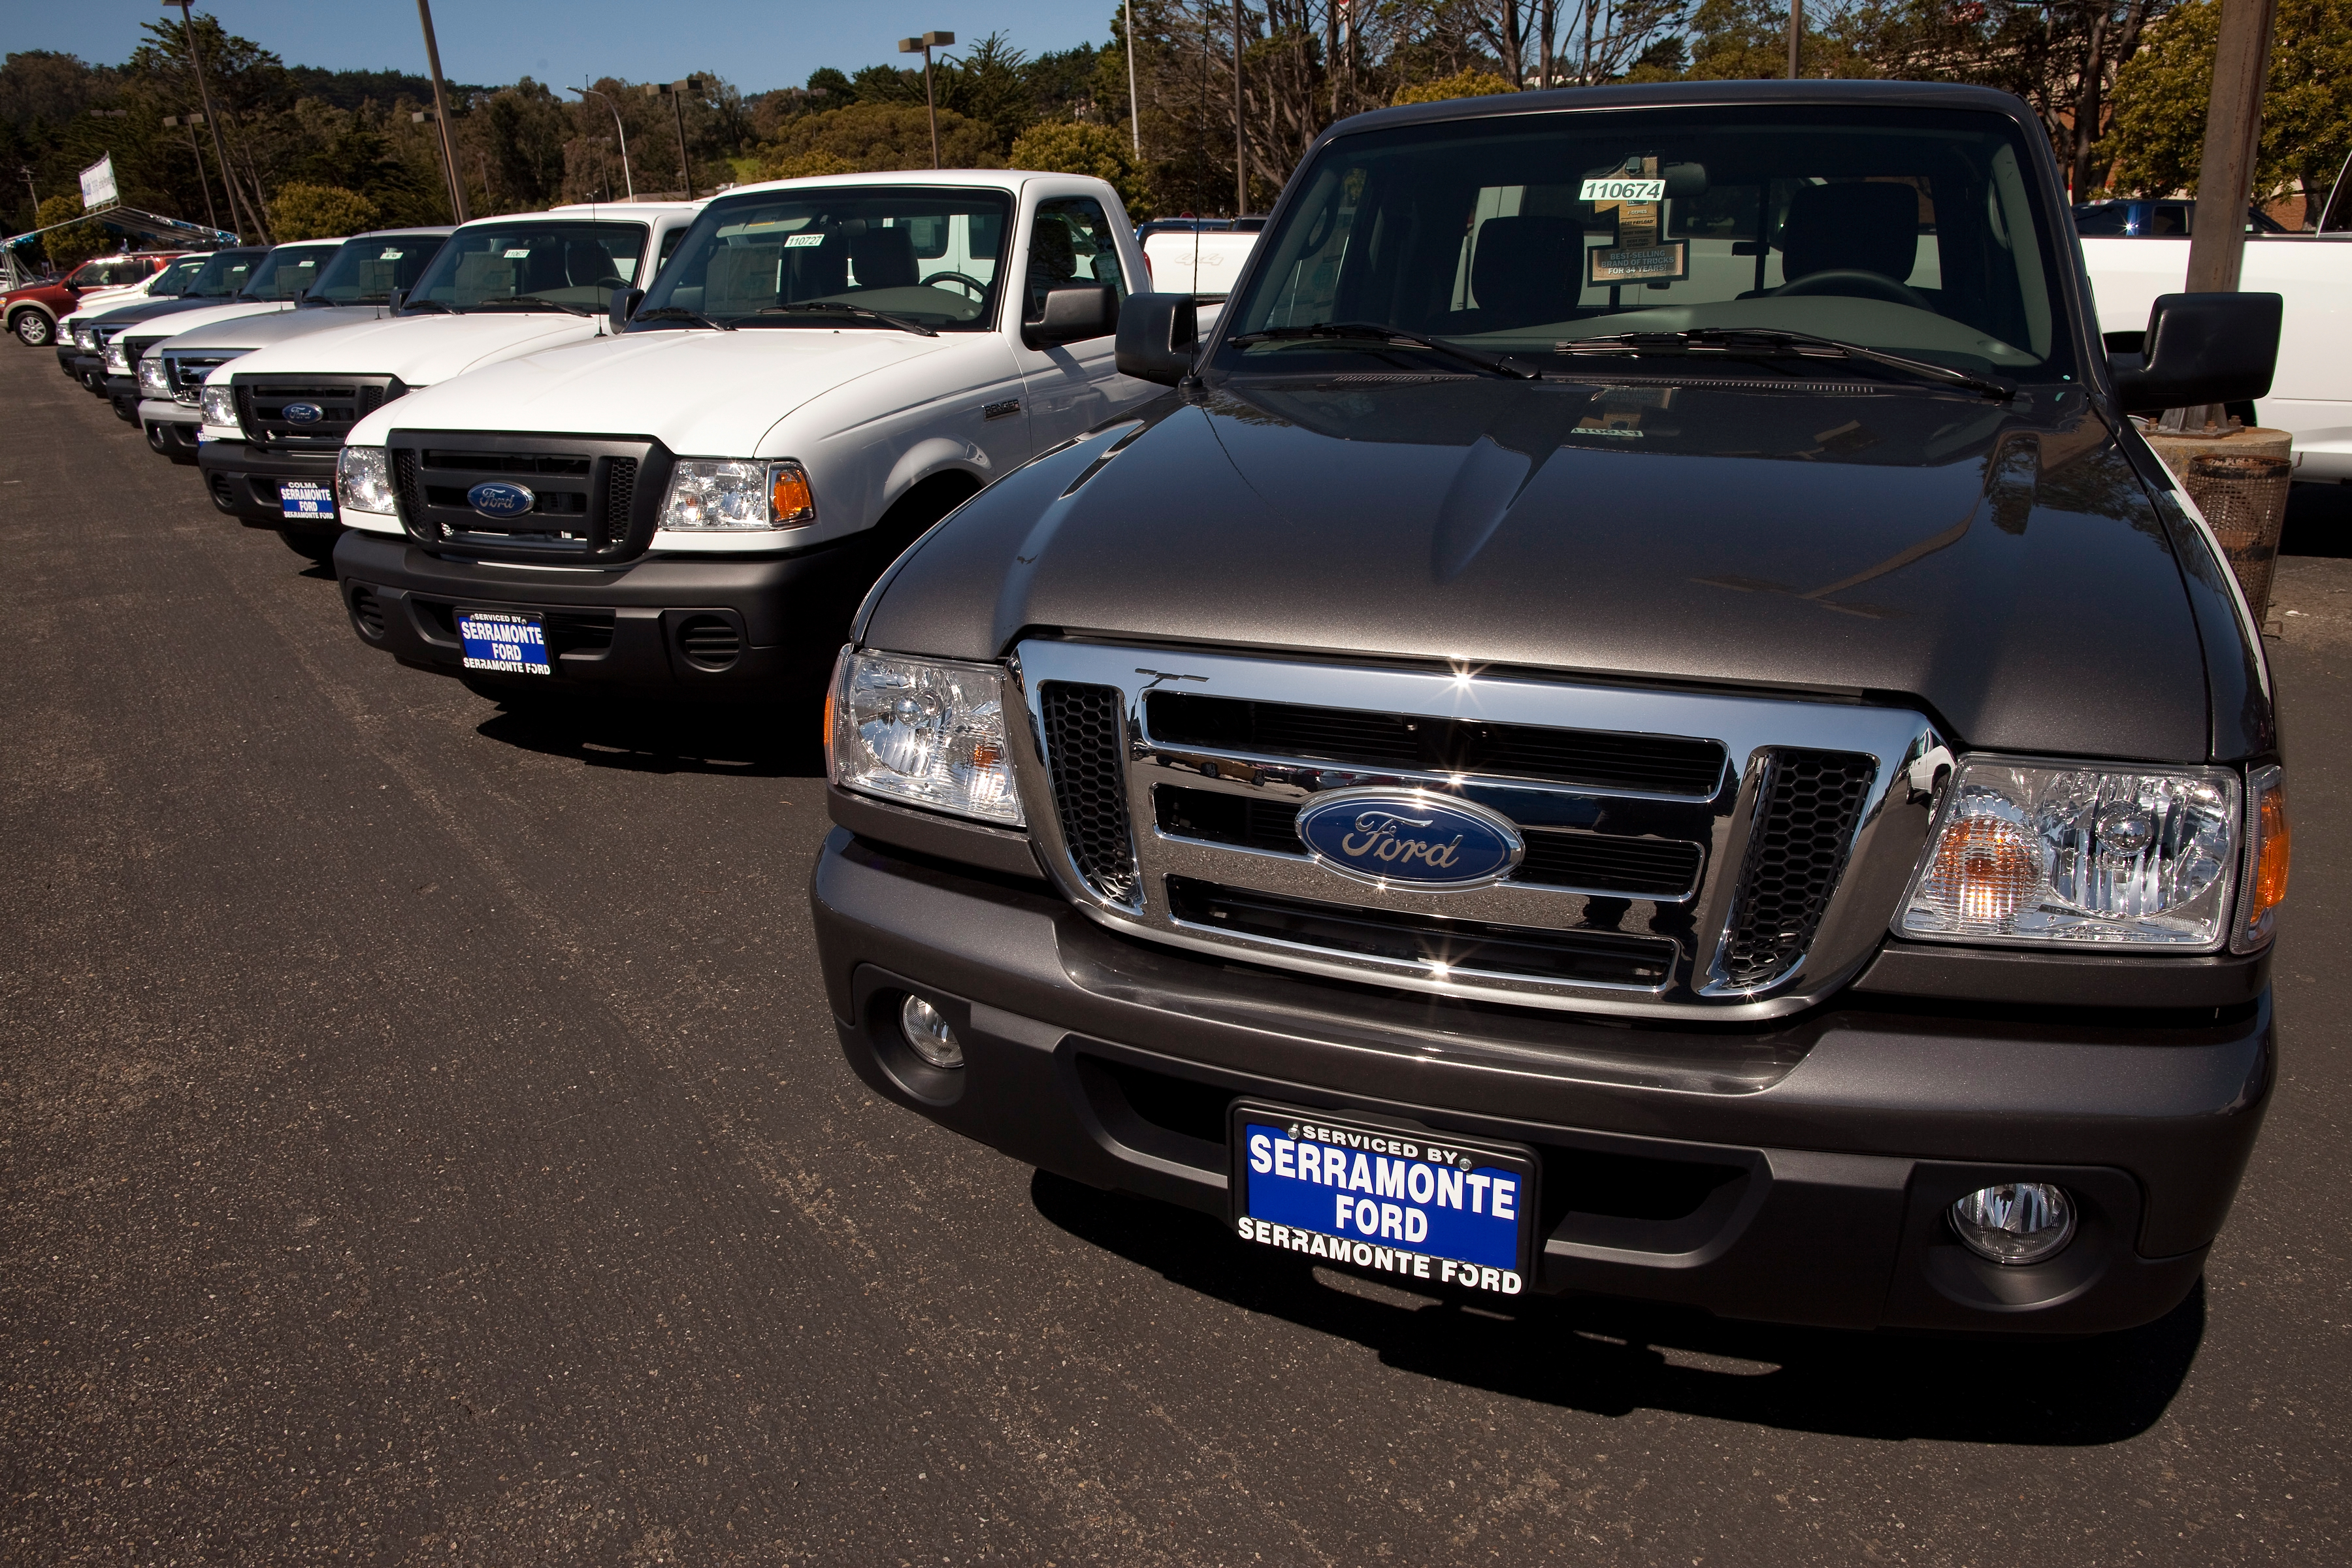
(243, 480)
(1797, 1173)
(655, 625)
(171, 427)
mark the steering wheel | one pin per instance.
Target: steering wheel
(979, 289)
(1854, 280)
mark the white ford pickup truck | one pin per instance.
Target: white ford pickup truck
(497, 288)
(824, 369)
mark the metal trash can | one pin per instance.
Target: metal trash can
(2243, 497)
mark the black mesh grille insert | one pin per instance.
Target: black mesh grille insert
(1660, 765)
(1082, 751)
(404, 478)
(1573, 957)
(1805, 822)
(1636, 867)
(620, 491)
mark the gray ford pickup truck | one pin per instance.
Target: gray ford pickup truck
(1637, 720)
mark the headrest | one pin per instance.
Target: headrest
(741, 278)
(884, 258)
(1528, 269)
(1860, 226)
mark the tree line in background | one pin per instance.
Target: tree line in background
(2120, 86)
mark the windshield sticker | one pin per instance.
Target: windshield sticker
(1623, 190)
(803, 241)
(392, 253)
(517, 253)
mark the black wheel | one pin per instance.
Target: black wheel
(1854, 282)
(310, 543)
(33, 329)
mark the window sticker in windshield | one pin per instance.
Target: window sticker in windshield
(515, 253)
(391, 253)
(1637, 198)
(1624, 190)
(803, 241)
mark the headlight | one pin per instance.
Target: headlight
(220, 407)
(363, 480)
(923, 730)
(117, 358)
(155, 377)
(85, 335)
(2046, 854)
(719, 494)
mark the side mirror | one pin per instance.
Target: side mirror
(623, 305)
(1157, 335)
(1073, 312)
(394, 300)
(2202, 348)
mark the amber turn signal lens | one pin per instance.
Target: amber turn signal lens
(1984, 870)
(2264, 885)
(789, 498)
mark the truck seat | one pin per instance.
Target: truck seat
(1528, 270)
(884, 258)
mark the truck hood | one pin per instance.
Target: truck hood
(202, 311)
(2006, 573)
(697, 392)
(259, 330)
(421, 350)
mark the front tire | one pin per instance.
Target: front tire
(33, 329)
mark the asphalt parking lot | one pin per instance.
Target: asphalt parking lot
(424, 1140)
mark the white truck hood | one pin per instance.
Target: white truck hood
(258, 332)
(422, 351)
(192, 320)
(701, 393)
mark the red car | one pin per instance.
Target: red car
(33, 310)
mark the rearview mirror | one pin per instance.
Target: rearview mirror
(1157, 335)
(1685, 179)
(623, 305)
(2202, 348)
(1073, 314)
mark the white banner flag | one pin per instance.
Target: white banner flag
(98, 184)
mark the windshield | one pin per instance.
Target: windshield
(223, 274)
(286, 272)
(561, 261)
(1914, 232)
(172, 281)
(923, 255)
(365, 270)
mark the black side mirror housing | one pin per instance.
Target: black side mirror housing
(1157, 335)
(394, 300)
(2202, 348)
(1073, 314)
(623, 305)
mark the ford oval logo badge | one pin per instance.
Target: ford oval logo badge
(498, 499)
(1410, 837)
(305, 412)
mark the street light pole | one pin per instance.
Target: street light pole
(441, 114)
(1241, 139)
(211, 119)
(203, 181)
(676, 93)
(630, 179)
(1134, 109)
(924, 46)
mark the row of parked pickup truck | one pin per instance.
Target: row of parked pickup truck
(1635, 714)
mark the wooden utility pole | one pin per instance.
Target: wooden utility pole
(441, 115)
(211, 119)
(1241, 132)
(1796, 33)
(2233, 129)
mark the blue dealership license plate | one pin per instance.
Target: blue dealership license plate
(304, 503)
(1401, 1200)
(504, 642)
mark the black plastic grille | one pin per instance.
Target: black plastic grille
(1571, 957)
(368, 611)
(404, 482)
(186, 372)
(583, 492)
(710, 642)
(1602, 863)
(1082, 755)
(342, 402)
(1805, 822)
(620, 486)
(1657, 764)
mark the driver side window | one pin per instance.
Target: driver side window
(1070, 241)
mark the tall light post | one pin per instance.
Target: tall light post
(1241, 139)
(192, 121)
(924, 46)
(630, 179)
(1134, 109)
(441, 114)
(676, 93)
(212, 120)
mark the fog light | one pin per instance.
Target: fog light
(929, 1035)
(2017, 1222)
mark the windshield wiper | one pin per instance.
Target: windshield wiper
(1740, 343)
(1394, 337)
(900, 322)
(679, 313)
(443, 306)
(531, 299)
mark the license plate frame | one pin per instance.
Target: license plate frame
(313, 504)
(1276, 1207)
(505, 642)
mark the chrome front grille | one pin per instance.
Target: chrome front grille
(1687, 854)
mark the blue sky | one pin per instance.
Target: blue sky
(754, 46)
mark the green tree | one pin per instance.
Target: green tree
(2161, 99)
(77, 242)
(872, 137)
(320, 212)
(1068, 147)
(1473, 83)
(523, 129)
